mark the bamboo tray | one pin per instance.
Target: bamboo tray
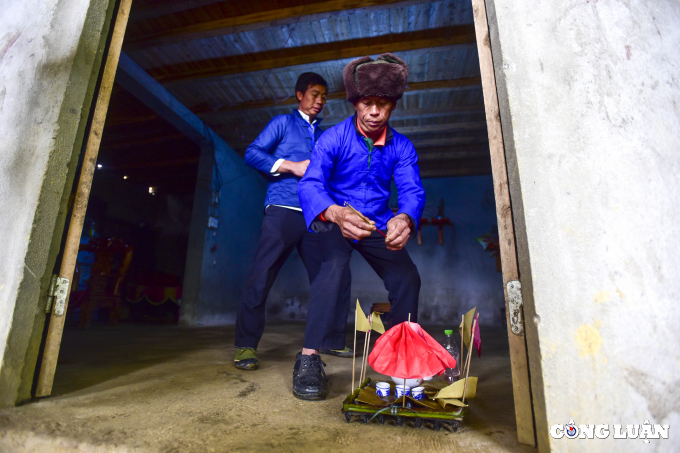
(418, 415)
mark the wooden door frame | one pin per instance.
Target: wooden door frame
(75, 228)
(521, 384)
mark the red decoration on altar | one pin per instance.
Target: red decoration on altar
(406, 351)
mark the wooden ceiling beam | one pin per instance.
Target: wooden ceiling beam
(448, 141)
(453, 155)
(317, 53)
(480, 165)
(419, 144)
(254, 129)
(413, 114)
(462, 171)
(453, 84)
(442, 128)
(148, 9)
(277, 16)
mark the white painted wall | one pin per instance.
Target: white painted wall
(40, 109)
(593, 89)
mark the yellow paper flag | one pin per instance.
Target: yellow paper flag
(451, 401)
(455, 390)
(362, 324)
(466, 325)
(376, 322)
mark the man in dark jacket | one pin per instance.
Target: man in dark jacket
(282, 150)
(354, 163)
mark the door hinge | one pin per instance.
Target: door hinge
(515, 307)
(57, 295)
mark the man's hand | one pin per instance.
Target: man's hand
(351, 226)
(296, 168)
(398, 232)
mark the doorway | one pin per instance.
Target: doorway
(237, 86)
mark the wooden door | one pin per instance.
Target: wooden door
(506, 232)
(68, 263)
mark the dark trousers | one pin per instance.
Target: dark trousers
(400, 277)
(282, 231)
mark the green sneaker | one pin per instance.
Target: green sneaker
(347, 352)
(246, 359)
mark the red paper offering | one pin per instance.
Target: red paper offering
(406, 351)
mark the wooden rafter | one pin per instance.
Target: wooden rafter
(145, 10)
(453, 155)
(433, 112)
(460, 171)
(292, 56)
(238, 22)
(442, 128)
(438, 142)
(473, 165)
(465, 83)
(255, 128)
(448, 141)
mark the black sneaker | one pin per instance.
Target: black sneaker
(309, 378)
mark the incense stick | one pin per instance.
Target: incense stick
(361, 376)
(467, 367)
(364, 218)
(404, 388)
(368, 344)
(462, 346)
(354, 352)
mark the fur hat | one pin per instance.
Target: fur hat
(384, 77)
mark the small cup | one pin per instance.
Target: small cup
(403, 389)
(382, 389)
(418, 393)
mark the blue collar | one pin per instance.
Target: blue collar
(316, 122)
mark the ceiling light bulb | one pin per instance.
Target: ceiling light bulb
(124, 177)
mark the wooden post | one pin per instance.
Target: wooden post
(68, 263)
(518, 354)
(354, 355)
(462, 346)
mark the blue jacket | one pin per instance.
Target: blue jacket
(342, 169)
(285, 137)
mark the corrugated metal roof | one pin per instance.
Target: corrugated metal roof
(238, 105)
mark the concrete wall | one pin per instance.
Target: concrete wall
(455, 277)
(213, 290)
(50, 54)
(590, 98)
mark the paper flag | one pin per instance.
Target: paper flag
(376, 322)
(455, 390)
(362, 324)
(451, 401)
(467, 326)
(476, 338)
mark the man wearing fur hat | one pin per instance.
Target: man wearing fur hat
(354, 162)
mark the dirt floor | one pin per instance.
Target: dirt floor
(134, 388)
